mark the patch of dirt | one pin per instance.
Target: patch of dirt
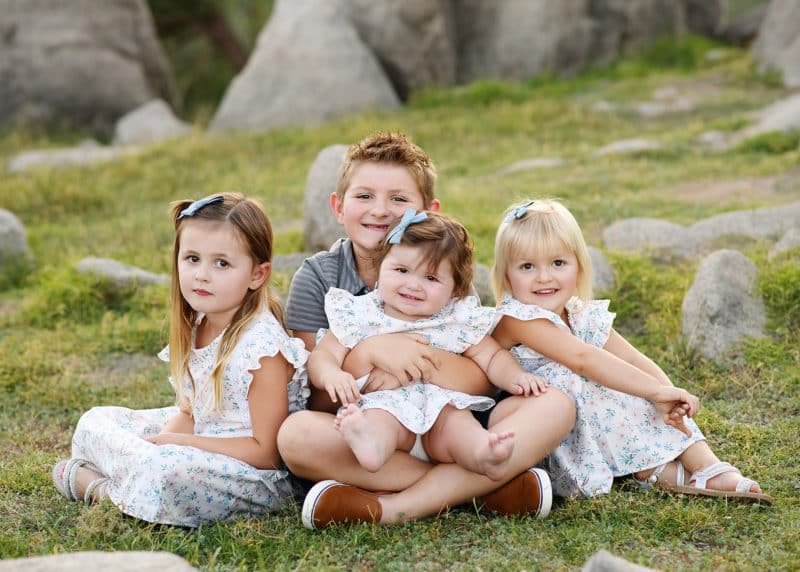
(776, 189)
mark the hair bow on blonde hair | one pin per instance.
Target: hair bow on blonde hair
(518, 212)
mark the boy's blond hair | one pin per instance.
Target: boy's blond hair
(544, 226)
(390, 148)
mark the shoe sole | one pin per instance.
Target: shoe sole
(545, 492)
(310, 502)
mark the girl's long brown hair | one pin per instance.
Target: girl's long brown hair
(250, 222)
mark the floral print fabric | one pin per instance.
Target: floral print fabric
(460, 324)
(615, 433)
(188, 486)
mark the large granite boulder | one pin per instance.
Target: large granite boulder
(722, 308)
(414, 40)
(79, 61)
(777, 46)
(321, 226)
(309, 65)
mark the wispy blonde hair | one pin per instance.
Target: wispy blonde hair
(545, 226)
(250, 223)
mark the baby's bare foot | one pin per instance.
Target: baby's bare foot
(357, 432)
(497, 454)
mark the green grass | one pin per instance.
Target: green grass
(68, 342)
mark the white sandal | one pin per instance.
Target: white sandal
(64, 473)
(699, 483)
(700, 479)
(654, 480)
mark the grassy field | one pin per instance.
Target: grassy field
(69, 342)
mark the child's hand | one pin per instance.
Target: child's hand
(169, 438)
(407, 357)
(343, 388)
(675, 404)
(526, 384)
(379, 380)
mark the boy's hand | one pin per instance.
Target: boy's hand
(526, 384)
(675, 404)
(342, 387)
(407, 357)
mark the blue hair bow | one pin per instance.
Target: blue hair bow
(192, 209)
(518, 212)
(409, 217)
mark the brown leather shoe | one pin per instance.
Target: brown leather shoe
(528, 493)
(330, 502)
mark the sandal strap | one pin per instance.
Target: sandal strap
(649, 482)
(702, 476)
(744, 485)
(90, 488)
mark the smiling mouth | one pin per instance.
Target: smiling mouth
(545, 292)
(410, 297)
(380, 227)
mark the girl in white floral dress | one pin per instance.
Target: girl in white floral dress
(424, 277)
(630, 419)
(236, 375)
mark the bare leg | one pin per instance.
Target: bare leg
(373, 435)
(457, 437)
(83, 477)
(313, 449)
(540, 423)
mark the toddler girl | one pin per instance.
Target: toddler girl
(630, 418)
(424, 276)
(236, 374)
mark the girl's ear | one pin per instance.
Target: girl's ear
(260, 275)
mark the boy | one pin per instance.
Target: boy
(380, 177)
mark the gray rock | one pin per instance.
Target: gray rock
(309, 66)
(714, 140)
(658, 108)
(603, 277)
(152, 122)
(628, 146)
(79, 61)
(604, 561)
(13, 244)
(80, 155)
(120, 275)
(482, 283)
(321, 226)
(788, 241)
(742, 29)
(777, 46)
(722, 308)
(414, 40)
(757, 223)
(783, 115)
(530, 164)
(289, 263)
(121, 561)
(649, 234)
(522, 39)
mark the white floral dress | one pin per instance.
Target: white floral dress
(460, 324)
(615, 433)
(183, 485)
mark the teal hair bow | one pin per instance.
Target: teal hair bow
(518, 212)
(192, 209)
(409, 217)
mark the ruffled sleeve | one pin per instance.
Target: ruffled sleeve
(351, 318)
(265, 337)
(512, 307)
(593, 323)
(465, 322)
